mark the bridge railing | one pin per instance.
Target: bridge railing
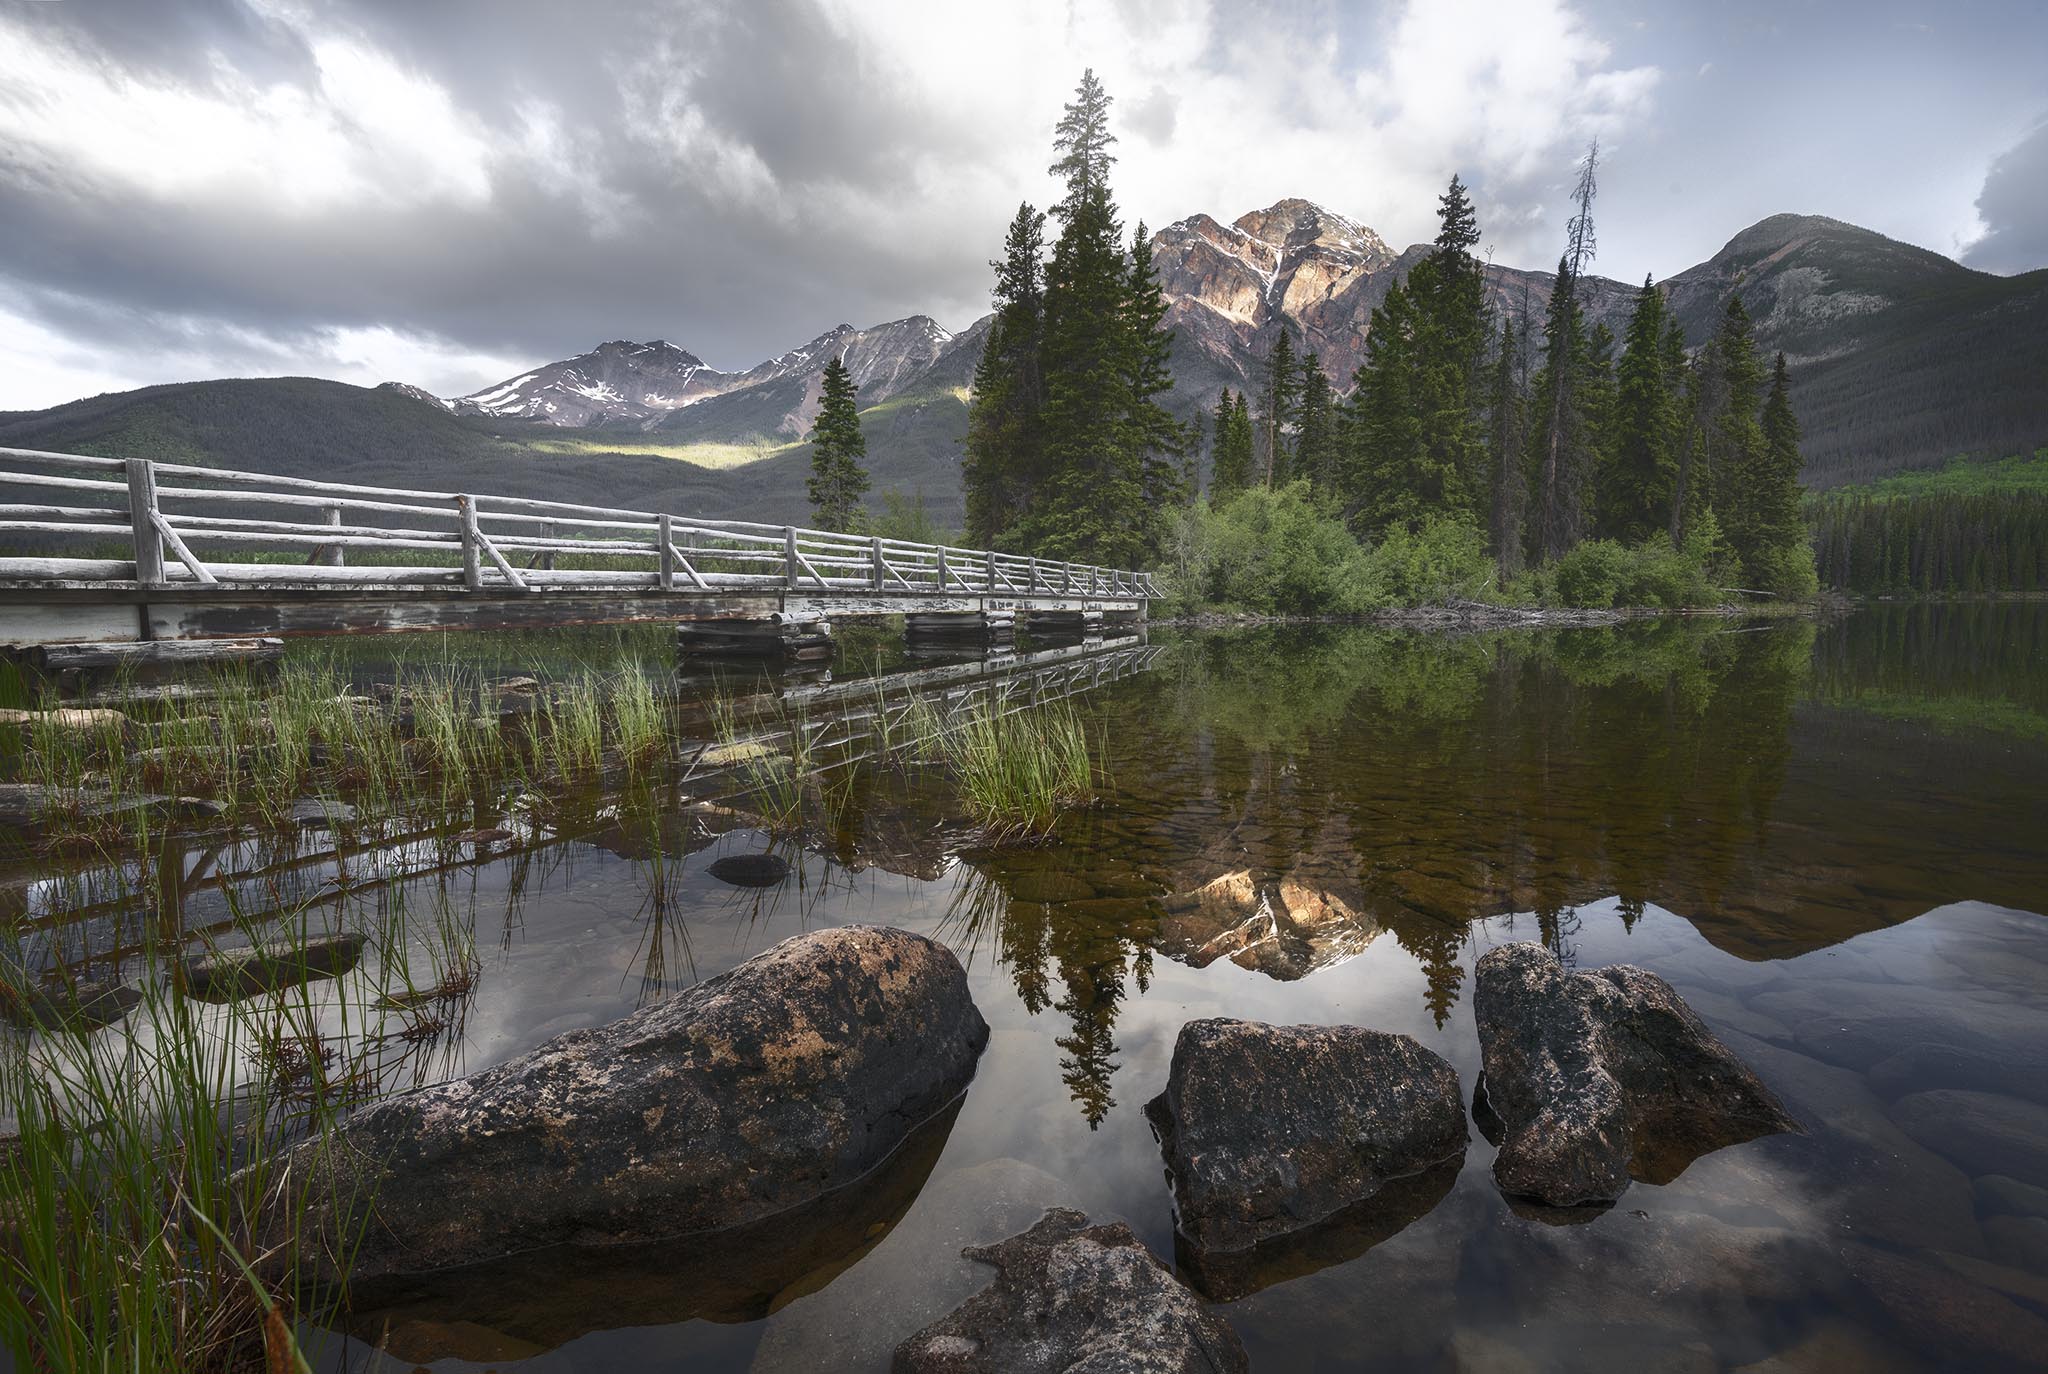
(175, 524)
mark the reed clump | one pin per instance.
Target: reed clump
(146, 1218)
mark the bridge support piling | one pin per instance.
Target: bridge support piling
(790, 637)
(960, 629)
(1065, 624)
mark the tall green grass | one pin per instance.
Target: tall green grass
(147, 1223)
(1019, 767)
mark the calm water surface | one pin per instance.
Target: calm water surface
(1833, 840)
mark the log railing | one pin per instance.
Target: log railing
(182, 525)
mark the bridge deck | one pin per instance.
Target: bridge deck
(108, 549)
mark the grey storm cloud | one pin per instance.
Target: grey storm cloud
(445, 192)
(2014, 208)
(610, 232)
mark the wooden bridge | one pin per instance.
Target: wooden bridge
(112, 552)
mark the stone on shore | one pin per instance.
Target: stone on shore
(1070, 1296)
(764, 1089)
(1270, 1130)
(1599, 1077)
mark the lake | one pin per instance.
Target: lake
(1830, 837)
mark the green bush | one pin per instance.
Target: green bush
(1786, 571)
(1592, 574)
(1445, 560)
(1276, 552)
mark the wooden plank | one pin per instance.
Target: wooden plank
(496, 610)
(118, 654)
(144, 521)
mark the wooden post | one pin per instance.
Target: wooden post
(472, 555)
(547, 530)
(942, 567)
(665, 533)
(875, 562)
(331, 556)
(1034, 574)
(991, 572)
(142, 513)
(789, 556)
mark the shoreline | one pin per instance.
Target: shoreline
(1479, 615)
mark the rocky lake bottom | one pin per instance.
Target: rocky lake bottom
(1830, 839)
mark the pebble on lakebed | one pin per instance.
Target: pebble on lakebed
(1597, 1077)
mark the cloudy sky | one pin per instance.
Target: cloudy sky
(449, 191)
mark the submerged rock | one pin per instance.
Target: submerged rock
(1070, 1296)
(222, 975)
(319, 813)
(914, 1275)
(1986, 1133)
(750, 870)
(1599, 1077)
(1947, 1318)
(1271, 1130)
(754, 1093)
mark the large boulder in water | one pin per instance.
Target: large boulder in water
(1070, 1296)
(1271, 1130)
(757, 1092)
(1597, 1077)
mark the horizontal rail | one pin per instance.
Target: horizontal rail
(250, 520)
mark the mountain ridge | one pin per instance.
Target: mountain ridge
(1900, 356)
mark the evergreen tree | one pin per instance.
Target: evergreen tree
(1106, 452)
(1450, 337)
(1230, 467)
(1277, 397)
(1004, 464)
(1507, 442)
(1158, 439)
(1777, 532)
(1635, 486)
(839, 475)
(1564, 441)
(1599, 401)
(1385, 422)
(1315, 445)
(1734, 439)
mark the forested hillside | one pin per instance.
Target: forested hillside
(1966, 529)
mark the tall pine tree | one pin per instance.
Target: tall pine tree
(1158, 439)
(1777, 533)
(1230, 466)
(1384, 422)
(839, 475)
(1507, 442)
(1277, 397)
(1005, 460)
(1734, 439)
(1564, 439)
(1315, 445)
(1450, 337)
(1636, 481)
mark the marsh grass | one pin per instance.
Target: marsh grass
(1019, 767)
(148, 1221)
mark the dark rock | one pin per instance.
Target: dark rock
(1269, 1130)
(545, 1298)
(914, 1275)
(1946, 1318)
(2021, 1241)
(1858, 1024)
(1600, 1077)
(750, 870)
(754, 1093)
(222, 975)
(1924, 1068)
(1986, 1133)
(1998, 1195)
(1070, 1296)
